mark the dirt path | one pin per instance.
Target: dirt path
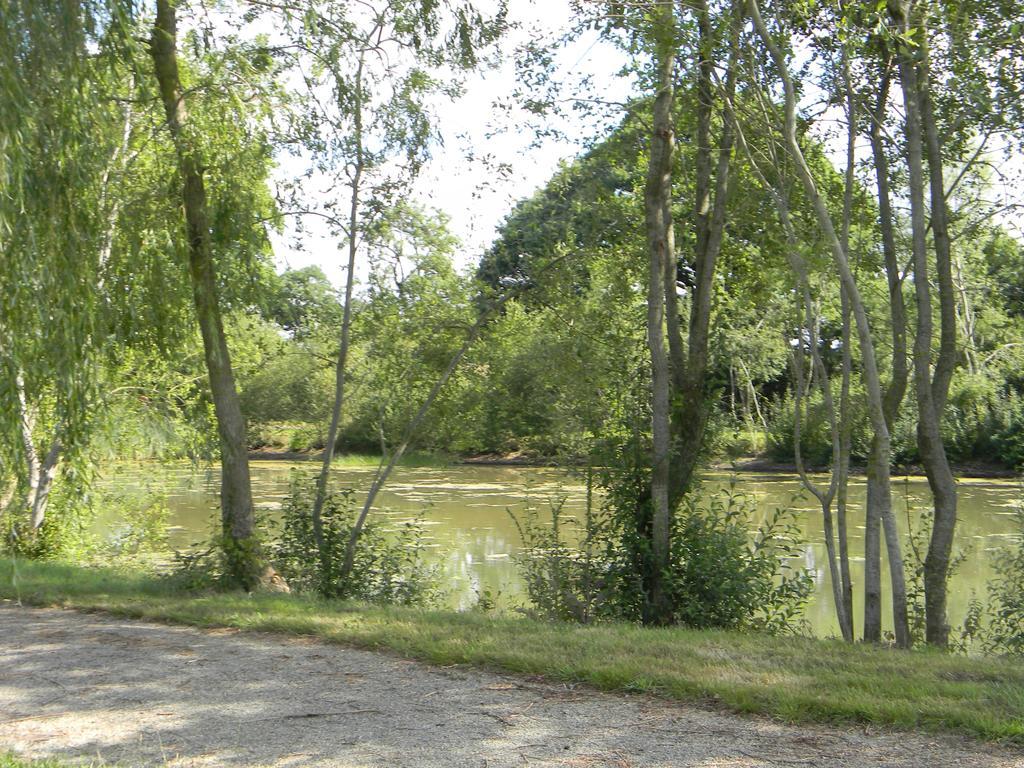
(90, 686)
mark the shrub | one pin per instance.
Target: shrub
(719, 576)
(389, 565)
(1006, 597)
(815, 440)
(984, 420)
(564, 582)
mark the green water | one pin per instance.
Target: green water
(474, 540)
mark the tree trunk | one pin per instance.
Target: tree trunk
(842, 585)
(657, 200)
(410, 431)
(940, 475)
(931, 393)
(689, 420)
(871, 376)
(341, 367)
(879, 499)
(244, 563)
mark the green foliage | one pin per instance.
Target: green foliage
(564, 581)
(815, 439)
(985, 420)
(389, 565)
(65, 533)
(140, 533)
(719, 576)
(1006, 597)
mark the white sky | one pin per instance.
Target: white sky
(474, 198)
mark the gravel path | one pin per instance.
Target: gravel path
(95, 687)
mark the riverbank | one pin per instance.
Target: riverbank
(791, 679)
(749, 464)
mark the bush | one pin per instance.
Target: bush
(718, 575)
(389, 564)
(984, 420)
(1006, 597)
(815, 440)
(564, 582)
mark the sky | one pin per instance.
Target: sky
(468, 191)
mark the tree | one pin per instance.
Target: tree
(60, 151)
(372, 137)
(245, 564)
(869, 363)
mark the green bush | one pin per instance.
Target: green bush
(984, 421)
(1006, 597)
(564, 581)
(718, 576)
(389, 565)
(815, 440)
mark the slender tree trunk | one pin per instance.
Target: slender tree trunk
(872, 379)
(845, 412)
(657, 200)
(931, 393)
(244, 561)
(689, 420)
(940, 474)
(341, 367)
(840, 582)
(879, 499)
(842, 468)
(410, 431)
(825, 497)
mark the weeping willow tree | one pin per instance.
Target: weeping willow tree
(58, 139)
(94, 254)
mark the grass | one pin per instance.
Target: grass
(13, 761)
(410, 459)
(793, 679)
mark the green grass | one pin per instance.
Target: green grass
(410, 459)
(13, 761)
(791, 679)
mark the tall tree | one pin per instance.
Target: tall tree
(661, 284)
(372, 137)
(244, 561)
(931, 387)
(869, 363)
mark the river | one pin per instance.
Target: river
(465, 512)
